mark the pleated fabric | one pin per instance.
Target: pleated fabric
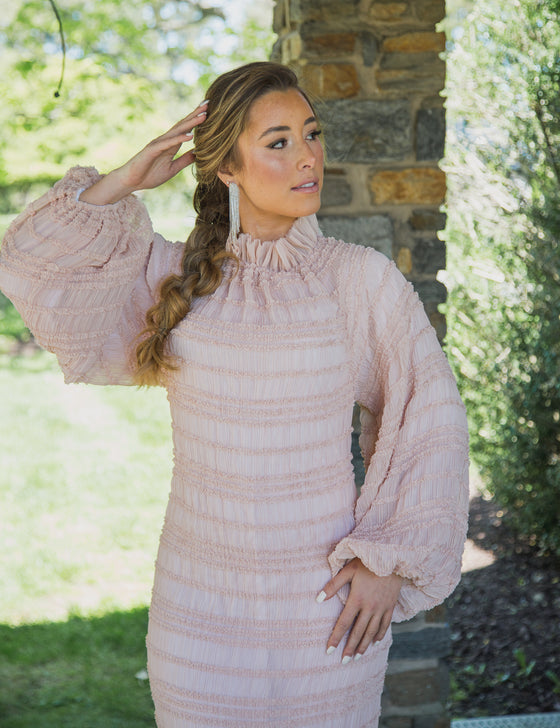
(263, 507)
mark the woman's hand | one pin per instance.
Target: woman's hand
(368, 610)
(151, 167)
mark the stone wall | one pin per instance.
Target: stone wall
(374, 70)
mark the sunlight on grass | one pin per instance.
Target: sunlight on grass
(83, 672)
(85, 477)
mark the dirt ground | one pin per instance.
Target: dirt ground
(505, 623)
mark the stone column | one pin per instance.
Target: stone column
(374, 69)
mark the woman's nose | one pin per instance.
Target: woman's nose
(307, 156)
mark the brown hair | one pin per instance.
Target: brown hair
(230, 98)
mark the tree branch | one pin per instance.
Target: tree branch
(63, 44)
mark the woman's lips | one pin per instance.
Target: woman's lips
(307, 187)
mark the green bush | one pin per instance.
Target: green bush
(503, 237)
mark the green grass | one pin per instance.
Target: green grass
(85, 474)
(84, 479)
(85, 672)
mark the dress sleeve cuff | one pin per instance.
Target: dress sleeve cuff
(420, 590)
(72, 232)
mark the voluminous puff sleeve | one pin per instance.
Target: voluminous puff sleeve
(83, 276)
(411, 515)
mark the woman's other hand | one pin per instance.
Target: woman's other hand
(368, 610)
(152, 166)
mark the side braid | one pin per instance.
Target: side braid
(201, 275)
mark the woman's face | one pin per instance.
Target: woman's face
(281, 172)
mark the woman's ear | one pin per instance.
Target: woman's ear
(226, 177)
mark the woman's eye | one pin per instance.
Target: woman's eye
(280, 144)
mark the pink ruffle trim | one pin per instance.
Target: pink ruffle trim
(282, 254)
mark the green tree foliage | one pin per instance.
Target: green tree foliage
(132, 69)
(504, 246)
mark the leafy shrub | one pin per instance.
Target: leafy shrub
(504, 247)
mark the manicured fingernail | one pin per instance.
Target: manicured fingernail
(321, 596)
(202, 113)
(358, 656)
(189, 134)
(330, 649)
(202, 103)
(346, 659)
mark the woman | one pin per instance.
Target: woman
(272, 578)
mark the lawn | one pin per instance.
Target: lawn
(85, 475)
(85, 672)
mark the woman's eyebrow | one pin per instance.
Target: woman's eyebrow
(274, 129)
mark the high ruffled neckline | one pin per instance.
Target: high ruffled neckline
(285, 253)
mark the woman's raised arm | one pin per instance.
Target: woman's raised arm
(83, 275)
(155, 164)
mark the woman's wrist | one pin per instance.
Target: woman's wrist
(106, 191)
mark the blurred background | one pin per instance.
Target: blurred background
(85, 471)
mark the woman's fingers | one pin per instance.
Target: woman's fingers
(343, 577)
(375, 631)
(342, 626)
(193, 119)
(366, 617)
(152, 166)
(383, 626)
(357, 634)
(183, 161)
(165, 143)
(157, 163)
(363, 626)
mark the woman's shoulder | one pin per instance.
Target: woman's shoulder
(358, 266)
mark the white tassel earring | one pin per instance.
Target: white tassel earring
(234, 222)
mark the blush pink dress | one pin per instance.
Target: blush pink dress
(263, 508)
